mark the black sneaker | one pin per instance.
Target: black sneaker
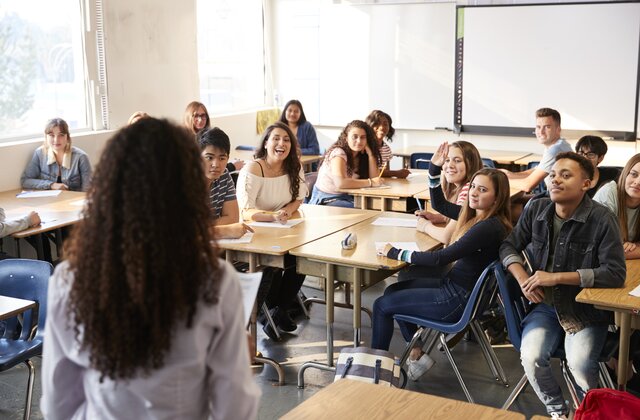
(283, 321)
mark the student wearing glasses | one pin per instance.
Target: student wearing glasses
(594, 149)
(196, 119)
(57, 165)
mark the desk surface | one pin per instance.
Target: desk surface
(56, 212)
(319, 221)
(413, 184)
(353, 399)
(619, 299)
(10, 306)
(364, 254)
(500, 156)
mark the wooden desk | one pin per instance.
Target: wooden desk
(56, 212)
(399, 197)
(626, 308)
(504, 157)
(347, 399)
(306, 160)
(532, 157)
(270, 246)
(10, 306)
(360, 267)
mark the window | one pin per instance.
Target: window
(42, 66)
(231, 55)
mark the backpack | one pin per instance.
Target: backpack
(607, 404)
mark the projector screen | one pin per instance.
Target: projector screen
(581, 59)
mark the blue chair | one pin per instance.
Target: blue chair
(21, 341)
(516, 307)
(541, 187)
(478, 301)
(245, 147)
(488, 163)
(420, 160)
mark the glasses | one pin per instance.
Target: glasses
(51, 135)
(200, 116)
(588, 155)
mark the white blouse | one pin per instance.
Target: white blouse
(206, 373)
(268, 194)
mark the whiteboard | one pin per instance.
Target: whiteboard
(395, 57)
(581, 59)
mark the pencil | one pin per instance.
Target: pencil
(383, 168)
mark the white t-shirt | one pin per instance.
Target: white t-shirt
(607, 195)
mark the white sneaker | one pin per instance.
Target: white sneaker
(417, 368)
(556, 416)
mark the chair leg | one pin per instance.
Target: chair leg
(489, 354)
(443, 341)
(520, 386)
(267, 314)
(30, 382)
(410, 344)
(301, 303)
(570, 384)
(605, 378)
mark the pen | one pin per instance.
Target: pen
(383, 168)
(419, 204)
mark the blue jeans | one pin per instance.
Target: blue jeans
(542, 334)
(325, 199)
(418, 298)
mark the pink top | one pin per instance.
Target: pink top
(325, 181)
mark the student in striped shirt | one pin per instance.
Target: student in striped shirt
(214, 151)
(381, 122)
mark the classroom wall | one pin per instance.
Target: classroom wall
(152, 66)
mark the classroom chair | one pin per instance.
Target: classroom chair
(488, 163)
(22, 340)
(420, 160)
(310, 179)
(245, 147)
(516, 307)
(542, 186)
(478, 301)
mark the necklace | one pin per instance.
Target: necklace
(271, 169)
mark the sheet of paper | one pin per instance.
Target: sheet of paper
(37, 194)
(249, 283)
(411, 246)
(79, 203)
(396, 222)
(635, 292)
(244, 239)
(290, 223)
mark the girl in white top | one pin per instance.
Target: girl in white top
(381, 124)
(623, 198)
(353, 161)
(144, 321)
(271, 189)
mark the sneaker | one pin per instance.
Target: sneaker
(283, 321)
(557, 416)
(417, 368)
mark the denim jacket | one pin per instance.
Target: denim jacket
(589, 243)
(39, 175)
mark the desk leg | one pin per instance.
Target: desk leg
(357, 305)
(363, 202)
(39, 246)
(383, 204)
(623, 352)
(18, 247)
(329, 298)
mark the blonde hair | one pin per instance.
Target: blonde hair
(501, 207)
(192, 108)
(138, 115)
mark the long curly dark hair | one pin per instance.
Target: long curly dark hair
(291, 165)
(142, 256)
(342, 143)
